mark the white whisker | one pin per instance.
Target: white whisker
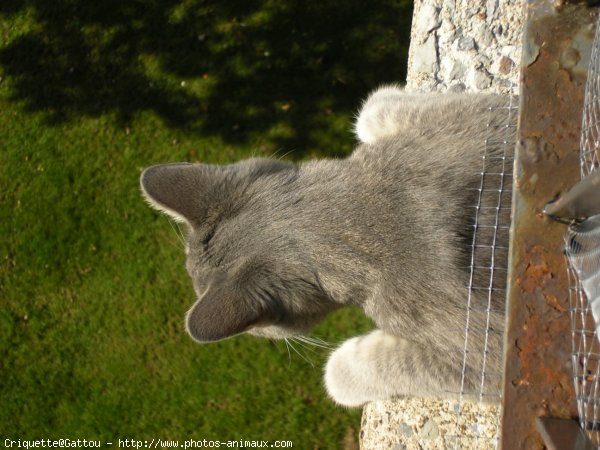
(304, 345)
(274, 154)
(180, 233)
(317, 342)
(287, 346)
(179, 237)
(284, 155)
(303, 356)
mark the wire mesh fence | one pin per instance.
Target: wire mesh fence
(582, 247)
(486, 290)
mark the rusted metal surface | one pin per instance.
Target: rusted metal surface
(538, 380)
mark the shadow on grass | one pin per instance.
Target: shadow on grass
(229, 68)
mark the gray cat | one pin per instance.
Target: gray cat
(274, 246)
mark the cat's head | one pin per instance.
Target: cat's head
(244, 256)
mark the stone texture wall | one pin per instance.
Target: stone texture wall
(466, 45)
(426, 424)
(456, 46)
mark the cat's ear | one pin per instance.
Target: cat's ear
(221, 313)
(177, 189)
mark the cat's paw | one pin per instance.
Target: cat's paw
(352, 375)
(381, 114)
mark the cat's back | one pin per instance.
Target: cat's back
(418, 176)
(425, 159)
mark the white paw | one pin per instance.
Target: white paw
(351, 374)
(381, 114)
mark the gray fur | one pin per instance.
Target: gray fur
(274, 246)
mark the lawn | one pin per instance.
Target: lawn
(92, 285)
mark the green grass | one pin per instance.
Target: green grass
(92, 286)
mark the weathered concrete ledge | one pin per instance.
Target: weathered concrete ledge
(423, 424)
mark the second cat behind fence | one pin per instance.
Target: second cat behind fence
(273, 246)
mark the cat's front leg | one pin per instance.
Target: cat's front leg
(379, 366)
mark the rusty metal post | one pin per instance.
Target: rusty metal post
(538, 376)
